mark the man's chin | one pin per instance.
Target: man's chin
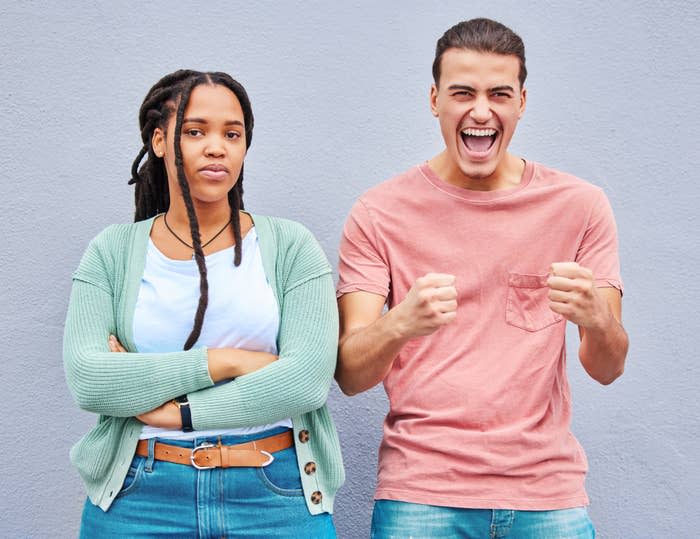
(477, 173)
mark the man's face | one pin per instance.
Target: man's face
(478, 103)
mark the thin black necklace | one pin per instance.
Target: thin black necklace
(165, 220)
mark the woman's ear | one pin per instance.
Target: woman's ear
(158, 142)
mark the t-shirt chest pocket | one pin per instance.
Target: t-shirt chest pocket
(527, 306)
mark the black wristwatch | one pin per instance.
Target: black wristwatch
(185, 413)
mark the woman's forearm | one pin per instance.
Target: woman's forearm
(297, 382)
(121, 384)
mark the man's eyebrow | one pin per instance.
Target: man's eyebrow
(461, 87)
(502, 88)
(203, 121)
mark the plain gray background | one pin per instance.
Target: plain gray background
(340, 95)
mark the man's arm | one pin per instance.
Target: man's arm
(598, 314)
(369, 341)
(603, 350)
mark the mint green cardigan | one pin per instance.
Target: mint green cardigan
(119, 386)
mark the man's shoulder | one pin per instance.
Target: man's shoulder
(395, 187)
(549, 176)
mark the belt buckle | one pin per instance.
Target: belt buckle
(205, 445)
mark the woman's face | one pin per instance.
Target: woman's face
(213, 144)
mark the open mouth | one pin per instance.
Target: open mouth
(479, 140)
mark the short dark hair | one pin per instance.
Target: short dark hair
(481, 35)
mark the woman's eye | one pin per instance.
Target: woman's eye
(233, 134)
(193, 132)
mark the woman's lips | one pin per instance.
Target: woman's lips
(214, 172)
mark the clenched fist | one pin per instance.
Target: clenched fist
(430, 303)
(573, 294)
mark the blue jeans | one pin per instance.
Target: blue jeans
(164, 499)
(402, 520)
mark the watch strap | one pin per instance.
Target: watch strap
(185, 413)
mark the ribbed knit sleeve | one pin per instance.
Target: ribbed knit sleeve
(117, 384)
(299, 380)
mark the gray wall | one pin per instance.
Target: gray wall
(340, 94)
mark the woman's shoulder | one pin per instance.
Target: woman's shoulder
(280, 227)
(110, 246)
(291, 244)
(285, 235)
(114, 232)
(114, 237)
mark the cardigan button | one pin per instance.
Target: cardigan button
(316, 497)
(310, 468)
(304, 436)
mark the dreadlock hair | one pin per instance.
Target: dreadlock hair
(170, 95)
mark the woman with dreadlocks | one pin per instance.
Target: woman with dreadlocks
(205, 338)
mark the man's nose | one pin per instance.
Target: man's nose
(481, 111)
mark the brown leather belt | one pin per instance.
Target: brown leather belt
(256, 453)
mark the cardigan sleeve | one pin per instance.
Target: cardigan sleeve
(300, 379)
(110, 383)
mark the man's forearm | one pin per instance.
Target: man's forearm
(603, 351)
(369, 341)
(366, 354)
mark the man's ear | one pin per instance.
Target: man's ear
(433, 100)
(523, 99)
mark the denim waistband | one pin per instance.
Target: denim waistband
(228, 439)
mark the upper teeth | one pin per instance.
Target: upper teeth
(478, 132)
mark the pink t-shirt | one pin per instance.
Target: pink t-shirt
(480, 410)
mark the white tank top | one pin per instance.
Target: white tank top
(242, 312)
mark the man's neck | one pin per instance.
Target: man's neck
(508, 173)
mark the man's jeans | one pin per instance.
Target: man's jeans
(402, 520)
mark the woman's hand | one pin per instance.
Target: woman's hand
(166, 416)
(226, 363)
(115, 345)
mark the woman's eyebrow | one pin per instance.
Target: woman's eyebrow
(203, 121)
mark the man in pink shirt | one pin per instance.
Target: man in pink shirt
(481, 257)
